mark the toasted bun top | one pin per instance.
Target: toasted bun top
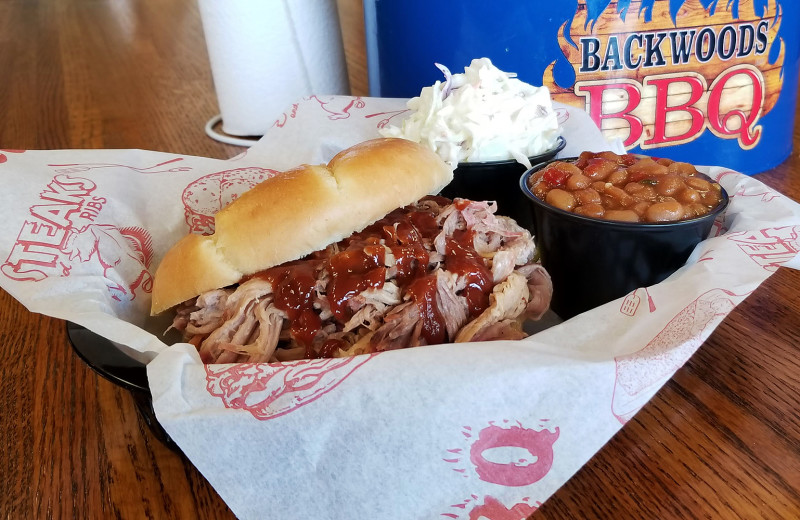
(303, 210)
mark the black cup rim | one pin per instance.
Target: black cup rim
(653, 226)
(534, 159)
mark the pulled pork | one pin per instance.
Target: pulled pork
(434, 272)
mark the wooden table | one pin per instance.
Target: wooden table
(720, 440)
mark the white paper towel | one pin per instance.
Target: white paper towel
(266, 54)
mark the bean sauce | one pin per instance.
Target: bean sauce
(626, 188)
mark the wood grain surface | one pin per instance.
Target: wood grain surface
(720, 440)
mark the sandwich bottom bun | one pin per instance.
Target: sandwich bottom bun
(293, 214)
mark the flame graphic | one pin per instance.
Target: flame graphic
(534, 447)
(715, 65)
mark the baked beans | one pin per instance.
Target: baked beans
(626, 188)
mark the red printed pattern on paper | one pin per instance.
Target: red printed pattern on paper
(204, 197)
(63, 230)
(506, 454)
(640, 371)
(268, 391)
(4, 157)
(769, 248)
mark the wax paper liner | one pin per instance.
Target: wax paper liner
(451, 431)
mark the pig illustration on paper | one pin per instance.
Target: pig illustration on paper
(338, 107)
(123, 253)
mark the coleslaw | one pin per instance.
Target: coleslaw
(484, 114)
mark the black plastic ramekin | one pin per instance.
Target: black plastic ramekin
(497, 181)
(593, 261)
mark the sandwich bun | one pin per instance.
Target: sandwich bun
(303, 210)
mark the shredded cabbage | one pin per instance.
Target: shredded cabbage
(484, 114)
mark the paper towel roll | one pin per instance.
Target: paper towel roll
(267, 54)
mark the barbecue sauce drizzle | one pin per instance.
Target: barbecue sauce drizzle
(358, 263)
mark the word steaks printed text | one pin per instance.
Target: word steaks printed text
(63, 230)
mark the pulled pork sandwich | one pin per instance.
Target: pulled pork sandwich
(284, 276)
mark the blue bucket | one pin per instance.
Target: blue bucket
(701, 81)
